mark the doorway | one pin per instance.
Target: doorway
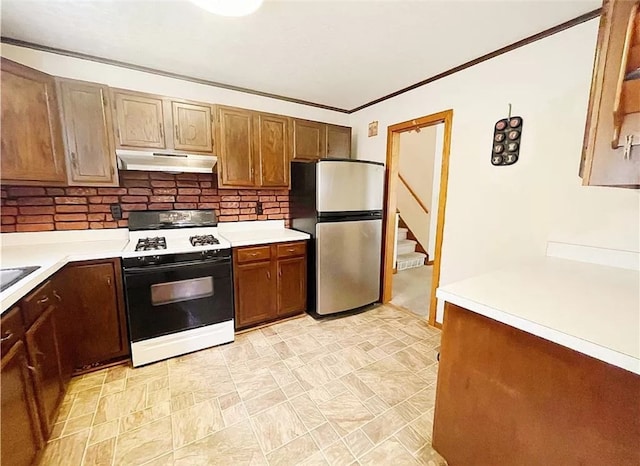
(418, 255)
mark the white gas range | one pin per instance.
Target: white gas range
(178, 282)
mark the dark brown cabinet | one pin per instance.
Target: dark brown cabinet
(32, 149)
(254, 293)
(235, 148)
(309, 140)
(94, 309)
(338, 141)
(21, 436)
(192, 124)
(272, 150)
(139, 120)
(88, 134)
(292, 285)
(253, 148)
(270, 282)
(44, 359)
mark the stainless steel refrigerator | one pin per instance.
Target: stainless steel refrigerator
(339, 203)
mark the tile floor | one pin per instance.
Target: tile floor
(412, 289)
(353, 390)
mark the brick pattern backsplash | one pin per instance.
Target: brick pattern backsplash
(31, 208)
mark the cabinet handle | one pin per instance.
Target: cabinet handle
(177, 134)
(6, 336)
(269, 274)
(161, 131)
(43, 300)
(109, 281)
(74, 160)
(31, 369)
(291, 250)
(113, 170)
(55, 293)
(280, 272)
(254, 254)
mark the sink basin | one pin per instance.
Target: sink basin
(10, 276)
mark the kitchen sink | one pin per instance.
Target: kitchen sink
(10, 276)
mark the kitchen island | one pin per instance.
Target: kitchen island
(540, 364)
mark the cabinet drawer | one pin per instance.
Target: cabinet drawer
(35, 304)
(254, 254)
(292, 249)
(12, 329)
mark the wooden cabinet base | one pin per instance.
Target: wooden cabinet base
(510, 398)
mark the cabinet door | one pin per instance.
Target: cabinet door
(98, 312)
(309, 140)
(236, 162)
(254, 293)
(272, 149)
(21, 437)
(89, 143)
(292, 285)
(338, 141)
(139, 120)
(32, 148)
(192, 127)
(42, 346)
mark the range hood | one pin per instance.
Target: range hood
(165, 162)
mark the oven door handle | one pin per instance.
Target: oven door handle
(169, 267)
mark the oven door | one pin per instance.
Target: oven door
(170, 298)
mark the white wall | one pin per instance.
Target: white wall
(497, 215)
(416, 160)
(114, 76)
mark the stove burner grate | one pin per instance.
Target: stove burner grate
(151, 244)
(203, 240)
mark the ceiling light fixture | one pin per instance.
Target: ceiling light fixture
(229, 7)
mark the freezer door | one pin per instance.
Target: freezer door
(348, 265)
(349, 186)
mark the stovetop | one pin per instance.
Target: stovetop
(173, 241)
(172, 232)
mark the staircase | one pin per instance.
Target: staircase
(408, 257)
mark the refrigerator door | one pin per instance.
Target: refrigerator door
(349, 186)
(348, 265)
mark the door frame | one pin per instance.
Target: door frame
(390, 201)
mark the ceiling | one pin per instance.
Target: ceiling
(336, 53)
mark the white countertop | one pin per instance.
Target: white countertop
(590, 308)
(53, 250)
(254, 233)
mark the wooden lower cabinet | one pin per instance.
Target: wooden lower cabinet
(95, 312)
(270, 282)
(292, 285)
(254, 293)
(21, 435)
(44, 359)
(507, 397)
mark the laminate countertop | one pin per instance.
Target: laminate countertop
(255, 233)
(590, 308)
(50, 251)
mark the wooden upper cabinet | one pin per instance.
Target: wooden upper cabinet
(338, 141)
(139, 120)
(32, 149)
(21, 435)
(272, 149)
(309, 140)
(88, 131)
(236, 165)
(192, 124)
(613, 117)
